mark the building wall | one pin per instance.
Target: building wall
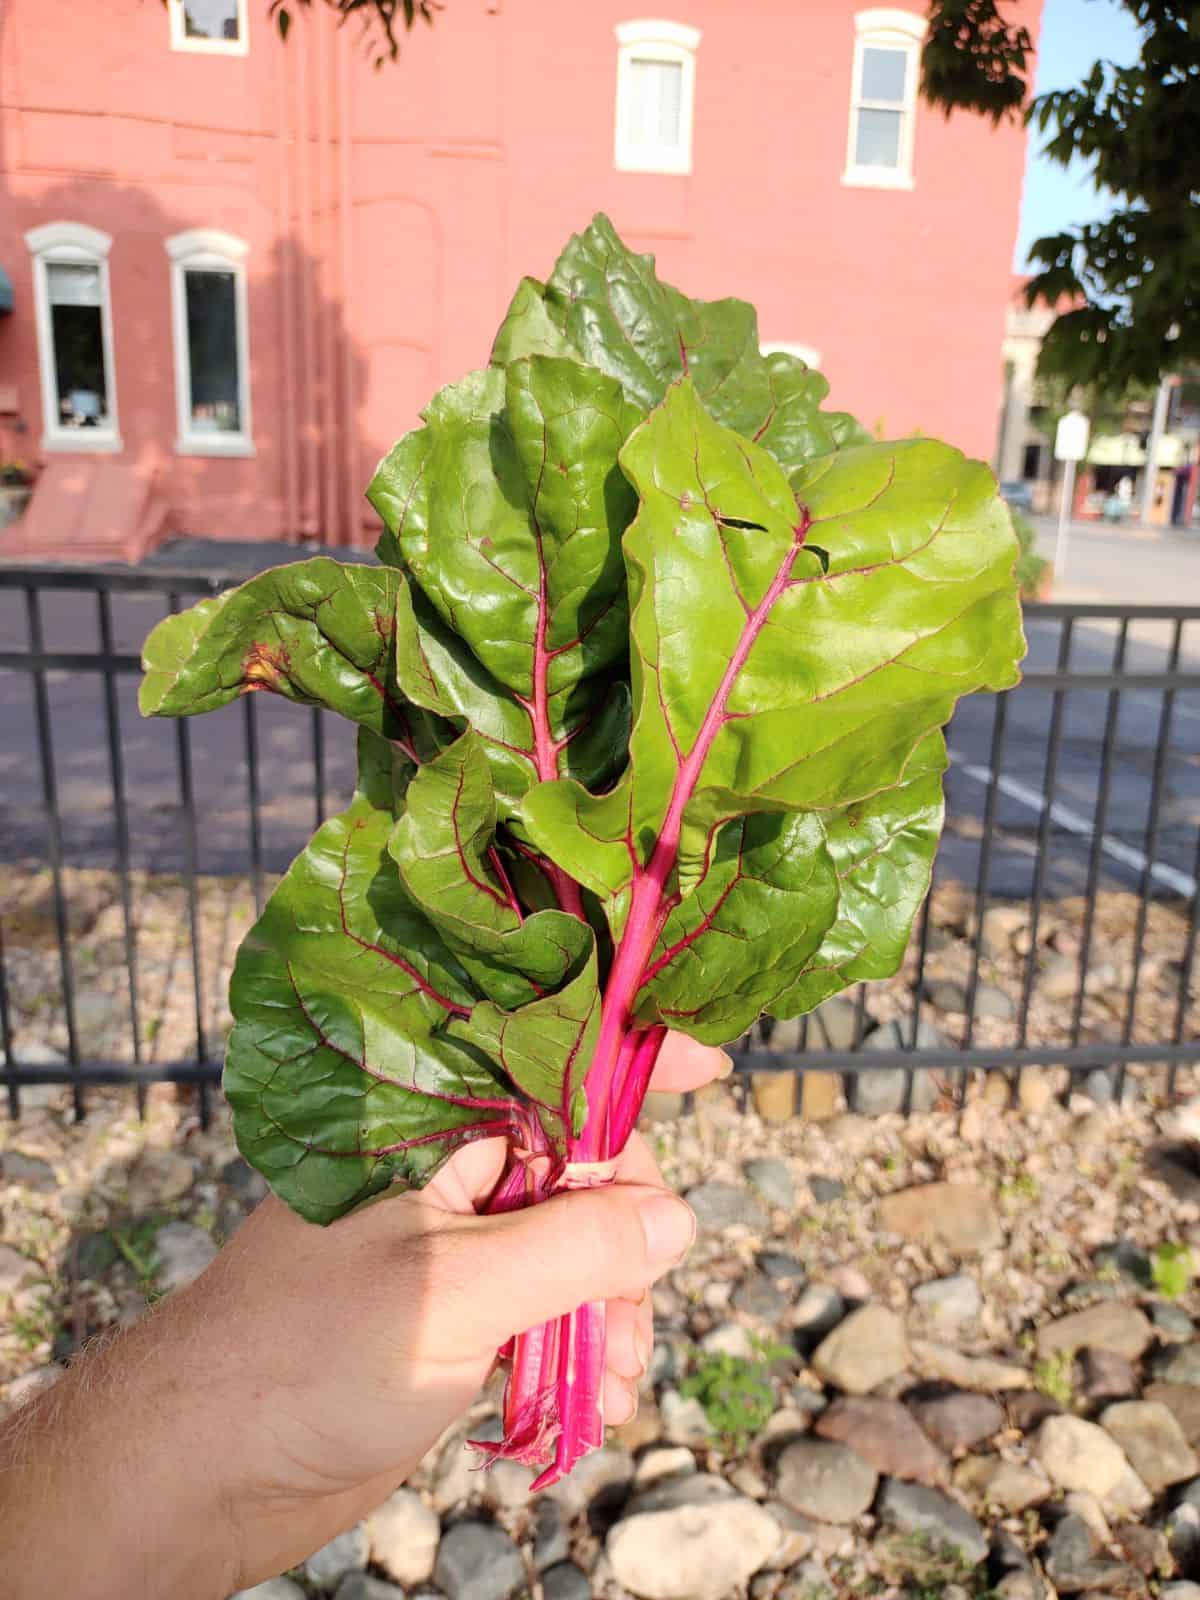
(390, 213)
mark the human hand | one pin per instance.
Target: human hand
(289, 1390)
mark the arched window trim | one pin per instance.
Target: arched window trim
(72, 244)
(894, 29)
(211, 250)
(655, 39)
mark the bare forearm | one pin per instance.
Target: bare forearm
(107, 1481)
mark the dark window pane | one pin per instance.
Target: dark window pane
(80, 382)
(211, 19)
(212, 352)
(883, 74)
(878, 142)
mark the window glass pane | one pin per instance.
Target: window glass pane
(75, 328)
(656, 102)
(211, 19)
(212, 352)
(878, 140)
(883, 74)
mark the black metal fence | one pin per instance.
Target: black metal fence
(135, 853)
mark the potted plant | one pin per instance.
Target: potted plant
(16, 487)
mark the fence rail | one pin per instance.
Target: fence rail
(1073, 801)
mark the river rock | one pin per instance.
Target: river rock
(781, 1268)
(667, 1461)
(884, 1434)
(694, 1552)
(1179, 1364)
(550, 1533)
(362, 1586)
(184, 1251)
(272, 1589)
(1079, 1455)
(1153, 1442)
(1111, 1325)
(756, 1296)
(349, 1552)
(825, 1480)
(16, 1270)
(956, 1419)
(1074, 1566)
(726, 1205)
(159, 1178)
(826, 1191)
(981, 1373)
(478, 1561)
(404, 1536)
(31, 1172)
(914, 1509)
(959, 1216)
(689, 1489)
(566, 1581)
(1173, 1323)
(684, 1420)
(1182, 1400)
(1103, 1375)
(603, 1476)
(863, 1351)
(949, 1301)
(773, 1181)
(994, 1482)
(817, 1312)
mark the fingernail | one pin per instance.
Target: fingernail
(726, 1067)
(669, 1226)
(621, 1413)
(641, 1346)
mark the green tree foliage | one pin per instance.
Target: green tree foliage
(1132, 281)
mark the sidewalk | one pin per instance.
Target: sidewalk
(1124, 564)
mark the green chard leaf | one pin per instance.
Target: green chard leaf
(314, 631)
(606, 304)
(841, 622)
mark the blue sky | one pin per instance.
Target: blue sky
(1074, 34)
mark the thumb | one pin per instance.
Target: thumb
(590, 1244)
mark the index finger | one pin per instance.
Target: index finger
(684, 1063)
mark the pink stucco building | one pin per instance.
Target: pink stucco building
(239, 266)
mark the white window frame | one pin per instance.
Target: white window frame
(652, 39)
(802, 352)
(72, 244)
(209, 250)
(886, 29)
(182, 40)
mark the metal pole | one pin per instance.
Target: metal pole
(1064, 518)
(1158, 423)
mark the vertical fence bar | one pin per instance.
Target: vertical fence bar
(1186, 966)
(1045, 824)
(41, 702)
(1099, 823)
(6, 1039)
(252, 792)
(1162, 748)
(187, 802)
(116, 768)
(999, 725)
(318, 750)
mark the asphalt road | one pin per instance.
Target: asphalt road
(1106, 565)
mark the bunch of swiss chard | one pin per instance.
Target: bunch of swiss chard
(649, 687)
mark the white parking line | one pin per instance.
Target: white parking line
(1180, 882)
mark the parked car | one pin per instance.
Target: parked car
(1018, 494)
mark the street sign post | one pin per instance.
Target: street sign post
(1070, 446)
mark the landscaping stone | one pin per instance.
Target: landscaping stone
(1182, 1400)
(825, 1191)
(159, 1178)
(817, 1312)
(992, 1481)
(565, 1581)
(774, 1096)
(773, 1181)
(959, 1216)
(956, 1419)
(31, 1172)
(1154, 1443)
(832, 1025)
(404, 1536)
(272, 1589)
(478, 1561)
(95, 1253)
(602, 1476)
(349, 1552)
(1074, 1567)
(689, 1489)
(696, 1552)
(758, 1297)
(1079, 1455)
(728, 1339)
(863, 1351)
(668, 1461)
(1181, 1589)
(1172, 1322)
(684, 1421)
(914, 1509)
(362, 1586)
(1127, 1260)
(249, 1184)
(551, 1535)
(16, 1270)
(1180, 1364)
(825, 1480)
(981, 1373)
(1111, 1325)
(884, 1434)
(726, 1205)
(183, 1252)
(777, 1265)
(1028, 1409)
(1103, 1375)
(950, 1301)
